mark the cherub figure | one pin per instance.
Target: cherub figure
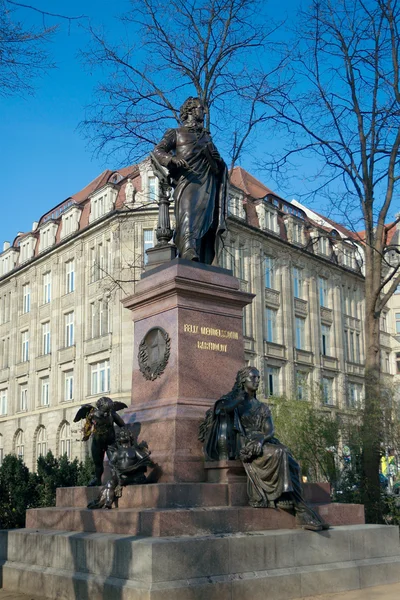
(99, 426)
(128, 460)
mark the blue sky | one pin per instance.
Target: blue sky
(43, 157)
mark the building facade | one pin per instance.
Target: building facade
(66, 340)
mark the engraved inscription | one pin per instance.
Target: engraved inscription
(202, 330)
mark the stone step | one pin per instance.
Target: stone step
(278, 565)
(180, 495)
(162, 522)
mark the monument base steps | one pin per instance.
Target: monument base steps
(278, 565)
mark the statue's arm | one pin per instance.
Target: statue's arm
(118, 420)
(269, 429)
(227, 404)
(163, 150)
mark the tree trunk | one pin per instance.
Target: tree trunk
(372, 421)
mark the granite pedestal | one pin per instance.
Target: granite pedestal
(200, 307)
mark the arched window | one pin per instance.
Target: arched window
(41, 442)
(19, 444)
(1, 449)
(65, 440)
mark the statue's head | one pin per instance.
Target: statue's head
(248, 379)
(192, 107)
(125, 437)
(105, 404)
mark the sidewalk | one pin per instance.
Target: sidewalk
(382, 592)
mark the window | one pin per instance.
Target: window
(1, 449)
(148, 242)
(397, 315)
(3, 402)
(354, 395)
(269, 272)
(273, 381)
(68, 385)
(301, 384)
(46, 342)
(152, 188)
(323, 245)
(46, 287)
(236, 208)
(99, 318)
(300, 333)
(4, 352)
(97, 209)
(24, 346)
(271, 220)
(19, 444)
(45, 391)
(241, 263)
(358, 349)
(5, 307)
(271, 319)
(298, 282)
(297, 233)
(383, 323)
(41, 442)
(100, 260)
(100, 377)
(65, 440)
(327, 391)
(326, 340)
(348, 257)
(323, 291)
(386, 362)
(397, 363)
(23, 397)
(69, 276)
(26, 298)
(69, 329)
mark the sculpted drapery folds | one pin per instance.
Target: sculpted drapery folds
(239, 426)
(199, 178)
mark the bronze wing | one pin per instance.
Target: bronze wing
(119, 406)
(83, 412)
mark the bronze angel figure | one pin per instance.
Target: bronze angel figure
(99, 426)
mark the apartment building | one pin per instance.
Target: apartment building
(65, 338)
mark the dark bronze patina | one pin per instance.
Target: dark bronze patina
(199, 178)
(154, 351)
(128, 461)
(239, 426)
(99, 427)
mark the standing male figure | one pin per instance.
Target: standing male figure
(199, 176)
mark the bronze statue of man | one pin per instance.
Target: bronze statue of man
(199, 178)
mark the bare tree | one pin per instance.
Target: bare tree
(23, 49)
(213, 49)
(344, 112)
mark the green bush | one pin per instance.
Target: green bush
(20, 489)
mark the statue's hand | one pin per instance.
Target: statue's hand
(216, 155)
(179, 163)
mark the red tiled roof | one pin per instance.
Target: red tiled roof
(390, 233)
(249, 184)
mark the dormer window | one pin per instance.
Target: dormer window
(8, 261)
(323, 245)
(297, 233)
(348, 257)
(48, 236)
(102, 202)
(70, 221)
(267, 217)
(236, 207)
(26, 249)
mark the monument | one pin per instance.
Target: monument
(192, 535)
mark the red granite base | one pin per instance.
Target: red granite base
(176, 522)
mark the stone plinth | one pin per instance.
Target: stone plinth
(273, 565)
(200, 308)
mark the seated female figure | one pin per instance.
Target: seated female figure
(240, 427)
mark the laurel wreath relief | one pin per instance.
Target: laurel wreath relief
(151, 372)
